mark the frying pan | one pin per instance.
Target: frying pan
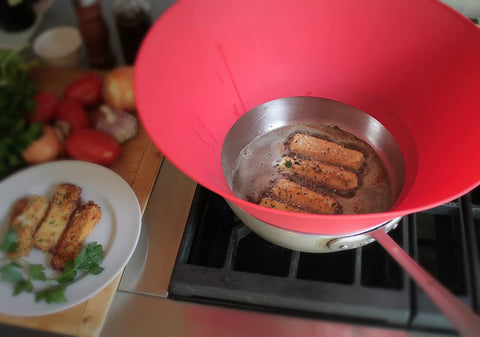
(411, 65)
(267, 119)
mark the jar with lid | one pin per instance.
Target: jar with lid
(133, 21)
(16, 16)
(95, 34)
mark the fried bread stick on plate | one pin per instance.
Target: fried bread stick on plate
(26, 216)
(70, 244)
(329, 152)
(329, 176)
(294, 194)
(63, 204)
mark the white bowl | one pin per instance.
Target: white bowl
(59, 47)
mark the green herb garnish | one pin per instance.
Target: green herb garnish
(288, 164)
(10, 244)
(17, 99)
(21, 274)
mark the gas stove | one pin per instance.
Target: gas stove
(222, 262)
(198, 271)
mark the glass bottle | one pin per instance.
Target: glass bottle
(133, 22)
(94, 33)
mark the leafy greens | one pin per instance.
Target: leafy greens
(21, 274)
(17, 98)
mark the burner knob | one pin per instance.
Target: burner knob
(350, 242)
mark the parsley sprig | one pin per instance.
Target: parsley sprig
(21, 274)
(17, 99)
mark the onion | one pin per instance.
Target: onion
(46, 148)
(118, 89)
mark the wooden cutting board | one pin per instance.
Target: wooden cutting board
(138, 164)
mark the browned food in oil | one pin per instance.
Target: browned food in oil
(64, 202)
(326, 151)
(27, 215)
(330, 176)
(365, 186)
(299, 196)
(272, 203)
(70, 244)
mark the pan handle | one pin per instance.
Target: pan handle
(463, 318)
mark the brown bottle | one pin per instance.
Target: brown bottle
(94, 33)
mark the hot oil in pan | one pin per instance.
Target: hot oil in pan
(269, 158)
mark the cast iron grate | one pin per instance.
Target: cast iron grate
(222, 262)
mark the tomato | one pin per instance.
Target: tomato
(73, 114)
(46, 107)
(86, 89)
(92, 145)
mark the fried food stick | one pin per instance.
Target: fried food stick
(329, 152)
(329, 176)
(293, 194)
(70, 243)
(272, 203)
(63, 204)
(27, 215)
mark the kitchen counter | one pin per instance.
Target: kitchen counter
(138, 164)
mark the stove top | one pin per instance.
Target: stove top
(221, 262)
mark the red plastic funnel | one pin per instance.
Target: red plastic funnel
(413, 65)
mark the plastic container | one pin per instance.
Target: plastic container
(59, 47)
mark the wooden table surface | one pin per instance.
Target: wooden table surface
(138, 164)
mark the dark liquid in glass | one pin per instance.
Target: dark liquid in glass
(132, 28)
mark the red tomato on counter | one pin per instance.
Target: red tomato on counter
(86, 89)
(46, 108)
(92, 145)
(74, 114)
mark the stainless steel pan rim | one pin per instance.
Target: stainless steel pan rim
(307, 110)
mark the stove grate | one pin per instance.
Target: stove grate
(222, 262)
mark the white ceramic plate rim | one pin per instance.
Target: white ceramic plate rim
(118, 230)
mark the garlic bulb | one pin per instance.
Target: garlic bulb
(118, 123)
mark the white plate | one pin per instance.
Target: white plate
(118, 230)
